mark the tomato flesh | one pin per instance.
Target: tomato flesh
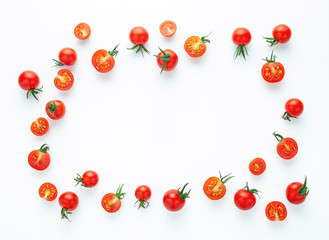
(64, 79)
(111, 203)
(102, 61)
(48, 191)
(168, 28)
(82, 31)
(273, 72)
(195, 47)
(40, 126)
(276, 211)
(214, 188)
(288, 148)
(39, 160)
(257, 166)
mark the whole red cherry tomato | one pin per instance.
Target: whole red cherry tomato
(276, 211)
(294, 107)
(112, 202)
(143, 193)
(103, 61)
(39, 159)
(29, 80)
(244, 198)
(55, 109)
(67, 56)
(168, 28)
(196, 46)
(139, 36)
(167, 60)
(272, 71)
(215, 188)
(40, 126)
(88, 179)
(48, 191)
(296, 192)
(281, 34)
(257, 166)
(64, 79)
(82, 31)
(174, 200)
(69, 201)
(241, 37)
(287, 147)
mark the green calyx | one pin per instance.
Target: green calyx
(64, 214)
(79, 180)
(52, 107)
(33, 92)
(253, 190)
(204, 39)
(44, 148)
(287, 116)
(142, 204)
(120, 195)
(278, 137)
(303, 190)
(140, 48)
(165, 57)
(58, 63)
(271, 41)
(225, 178)
(181, 193)
(271, 60)
(114, 52)
(241, 50)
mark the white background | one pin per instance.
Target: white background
(135, 126)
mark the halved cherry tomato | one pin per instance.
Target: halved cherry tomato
(89, 179)
(257, 166)
(143, 193)
(103, 61)
(294, 107)
(48, 191)
(67, 56)
(214, 187)
(55, 109)
(276, 211)
(29, 80)
(174, 199)
(241, 37)
(196, 46)
(64, 79)
(281, 34)
(245, 198)
(69, 201)
(40, 126)
(296, 192)
(39, 159)
(272, 71)
(287, 148)
(166, 59)
(139, 36)
(82, 31)
(112, 202)
(168, 28)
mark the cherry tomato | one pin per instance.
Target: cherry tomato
(281, 34)
(168, 28)
(167, 60)
(272, 71)
(67, 56)
(48, 191)
(257, 166)
(103, 61)
(174, 200)
(112, 202)
(276, 211)
(196, 46)
(39, 159)
(139, 36)
(88, 179)
(64, 79)
(244, 198)
(29, 80)
(143, 193)
(40, 126)
(82, 31)
(214, 187)
(55, 109)
(296, 192)
(241, 37)
(294, 107)
(69, 201)
(287, 147)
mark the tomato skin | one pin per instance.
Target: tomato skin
(67, 56)
(294, 107)
(174, 200)
(143, 193)
(112, 202)
(287, 148)
(55, 109)
(28, 80)
(48, 191)
(64, 80)
(82, 31)
(168, 28)
(241, 36)
(163, 63)
(89, 179)
(257, 166)
(69, 201)
(215, 188)
(138, 35)
(296, 192)
(276, 211)
(282, 33)
(102, 61)
(244, 200)
(39, 159)
(273, 72)
(40, 126)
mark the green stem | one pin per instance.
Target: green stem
(120, 195)
(253, 191)
(271, 41)
(241, 50)
(114, 52)
(303, 190)
(64, 214)
(204, 39)
(165, 57)
(181, 193)
(52, 107)
(143, 204)
(44, 148)
(34, 92)
(278, 137)
(225, 178)
(58, 63)
(272, 58)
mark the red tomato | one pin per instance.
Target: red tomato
(294, 107)
(88, 179)
(139, 36)
(69, 201)
(48, 191)
(40, 126)
(168, 28)
(244, 198)
(296, 192)
(55, 109)
(143, 193)
(281, 34)
(67, 56)
(103, 61)
(112, 202)
(167, 60)
(174, 200)
(29, 80)
(257, 166)
(287, 147)
(64, 79)
(39, 159)
(272, 71)
(82, 31)
(196, 46)
(214, 187)
(276, 211)
(241, 37)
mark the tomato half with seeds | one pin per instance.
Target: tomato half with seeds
(40, 126)
(69, 201)
(64, 80)
(48, 191)
(241, 37)
(281, 34)
(287, 148)
(143, 194)
(276, 211)
(167, 60)
(112, 202)
(88, 179)
(195, 46)
(67, 56)
(272, 71)
(294, 108)
(103, 61)
(55, 109)
(296, 192)
(168, 28)
(215, 188)
(82, 31)
(257, 166)
(174, 199)
(39, 159)
(29, 80)
(245, 198)
(139, 36)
